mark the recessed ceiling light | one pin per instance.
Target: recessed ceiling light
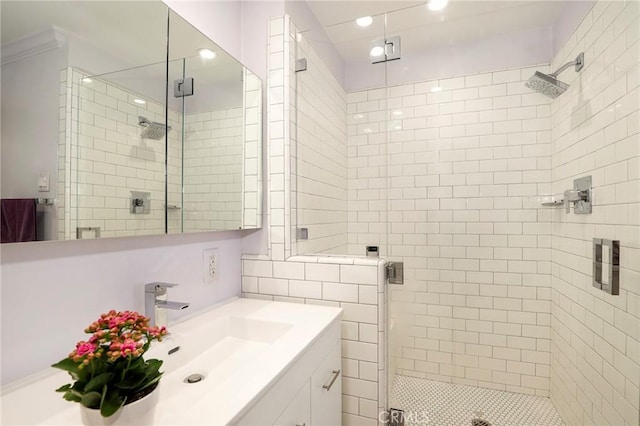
(435, 89)
(140, 101)
(206, 53)
(87, 80)
(376, 51)
(365, 21)
(437, 4)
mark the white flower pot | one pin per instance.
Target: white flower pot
(138, 413)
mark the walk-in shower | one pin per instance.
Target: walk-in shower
(153, 130)
(439, 160)
(548, 84)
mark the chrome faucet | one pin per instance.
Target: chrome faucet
(574, 196)
(153, 299)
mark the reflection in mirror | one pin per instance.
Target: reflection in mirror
(93, 129)
(221, 107)
(117, 180)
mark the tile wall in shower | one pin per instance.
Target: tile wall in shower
(595, 343)
(213, 150)
(319, 155)
(252, 152)
(466, 158)
(102, 158)
(110, 159)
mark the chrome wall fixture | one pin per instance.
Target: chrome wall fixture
(140, 202)
(606, 265)
(548, 84)
(395, 272)
(579, 196)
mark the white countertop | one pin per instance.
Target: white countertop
(242, 347)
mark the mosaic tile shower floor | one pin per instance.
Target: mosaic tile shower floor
(428, 402)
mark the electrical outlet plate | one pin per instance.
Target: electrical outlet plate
(210, 265)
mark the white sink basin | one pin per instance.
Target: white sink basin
(240, 348)
(215, 341)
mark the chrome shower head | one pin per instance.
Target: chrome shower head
(154, 130)
(547, 85)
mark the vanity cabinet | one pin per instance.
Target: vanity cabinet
(326, 390)
(298, 412)
(264, 363)
(309, 392)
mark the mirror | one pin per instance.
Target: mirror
(102, 137)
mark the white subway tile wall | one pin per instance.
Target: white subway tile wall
(105, 158)
(319, 136)
(102, 157)
(354, 284)
(213, 157)
(595, 340)
(252, 152)
(497, 288)
(359, 290)
(463, 167)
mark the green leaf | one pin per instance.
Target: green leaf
(132, 380)
(151, 382)
(64, 388)
(67, 364)
(97, 382)
(72, 396)
(111, 402)
(152, 367)
(91, 399)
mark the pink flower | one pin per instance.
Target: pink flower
(83, 348)
(128, 344)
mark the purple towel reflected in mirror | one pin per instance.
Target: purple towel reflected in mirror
(17, 220)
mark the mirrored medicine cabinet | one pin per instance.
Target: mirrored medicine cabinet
(121, 119)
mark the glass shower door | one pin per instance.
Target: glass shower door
(338, 148)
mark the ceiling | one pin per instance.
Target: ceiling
(126, 35)
(421, 29)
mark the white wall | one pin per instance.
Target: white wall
(218, 20)
(595, 364)
(52, 290)
(30, 101)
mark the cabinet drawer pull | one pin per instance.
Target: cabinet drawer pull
(301, 424)
(335, 374)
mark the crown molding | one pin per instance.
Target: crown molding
(33, 44)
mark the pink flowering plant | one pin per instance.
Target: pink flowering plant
(108, 369)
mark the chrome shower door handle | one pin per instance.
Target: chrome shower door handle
(606, 272)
